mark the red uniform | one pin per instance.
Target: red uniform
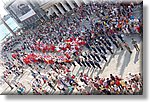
(14, 55)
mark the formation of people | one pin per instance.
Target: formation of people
(82, 37)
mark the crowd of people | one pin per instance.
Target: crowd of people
(65, 83)
(84, 37)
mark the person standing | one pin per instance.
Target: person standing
(115, 43)
(109, 48)
(97, 64)
(50, 85)
(96, 55)
(120, 44)
(103, 49)
(127, 47)
(99, 50)
(104, 57)
(88, 63)
(83, 63)
(108, 42)
(121, 37)
(92, 63)
(134, 43)
(79, 62)
(93, 56)
(94, 49)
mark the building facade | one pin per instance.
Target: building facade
(26, 13)
(58, 7)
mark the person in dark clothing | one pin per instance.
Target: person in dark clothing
(98, 42)
(112, 77)
(72, 82)
(119, 44)
(103, 56)
(94, 49)
(29, 65)
(108, 42)
(87, 63)
(83, 63)
(114, 36)
(93, 56)
(82, 80)
(104, 42)
(84, 56)
(97, 57)
(89, 57)
(97, 64)
(127, 47)
(63, 83)
(120, 36)
(134, 43)
(73, 63)
(88, 46)
(108, 81)
(33, 74)
(98, 49)
(79, 62)
(103, 49)
(110, 37)
(50, 85)
(115, 43)
(106, 92)
(20, 61)
(109, 48)
(56, 62)
(91, 62)
(74, 54)
(53, 68)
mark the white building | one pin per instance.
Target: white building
(59, 7)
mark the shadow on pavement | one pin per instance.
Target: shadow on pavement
(136, 57)
(125, 62)
(119, 58)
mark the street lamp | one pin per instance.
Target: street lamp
(11, 31)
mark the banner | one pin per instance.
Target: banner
(22, 9)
